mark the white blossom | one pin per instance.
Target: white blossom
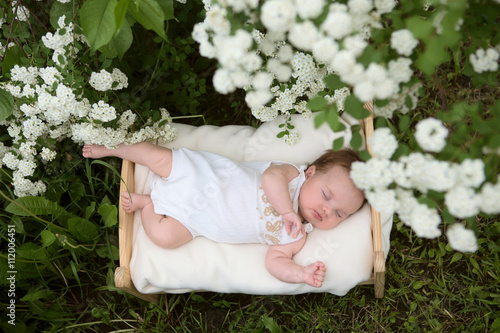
(222, 81)
(101, 81)
(461, 239)
(384, 201)
(217, 21)
(484, 60)
(265, 113)
(10, 161)
(50, 75)
(325, 49)
(425, 221)
(33, 128)
(399, 70)
(338, 24)
(258, 98)
(26, 167)
(281, 71)
(355, 44)
(406, 203)
(403, 42)
(278, 15)
(462, 202)
(47, 155)
(303, 35)
(431, 134)
(20, 11)
(373, 174)
(383, 143)
(489, 198)
(310, 9)
(471, 172)
(360, 6)
(120, 78)
(102, 111)
(25, 75)
(385, 6)
(292, 138)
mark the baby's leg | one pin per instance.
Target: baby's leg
(164, 231)
(158, 159)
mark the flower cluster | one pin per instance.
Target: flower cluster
(290, 23)
(283, 65)
(485, 60)
(48, 110)
(395, 186)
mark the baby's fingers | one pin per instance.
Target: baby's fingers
(299, 228)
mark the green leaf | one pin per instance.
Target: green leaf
(333, 82)
(338, 143)
(317, 104)
(104, 253)
(456, 257)
(356, 140)
(404, 123)
(333, 119)
(420, 27)
(26, 206)
(97, 18)
(434, 55)
(6, 104)
(168, 8)
(150, 14)
(109, 214)
(120, 42)
(18, 225)
(270, 324)
(39, 294)
(120, 11)
(31, 251)
(418, 284)
(319, 119)
(355, 108)
(82, 229)
(47, 238)
(59, 9)
(13, 56)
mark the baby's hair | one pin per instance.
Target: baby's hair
(343, 158)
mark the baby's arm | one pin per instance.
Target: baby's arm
(275, 181)
(280, 264)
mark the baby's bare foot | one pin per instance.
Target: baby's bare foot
(96, 151)
(134, 201)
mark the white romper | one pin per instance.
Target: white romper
(223, 200)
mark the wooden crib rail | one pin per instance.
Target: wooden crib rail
(123, 279)
(378, 252)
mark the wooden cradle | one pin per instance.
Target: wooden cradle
(123, 278)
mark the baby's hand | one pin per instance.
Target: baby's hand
(314, 274)
(293, 219)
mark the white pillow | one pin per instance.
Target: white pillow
(205, 265)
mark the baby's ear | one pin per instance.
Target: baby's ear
(310, 171)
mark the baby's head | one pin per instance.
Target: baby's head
(328, 195)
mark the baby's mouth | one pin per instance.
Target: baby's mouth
(317, 216)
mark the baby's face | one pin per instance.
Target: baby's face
(326, 199)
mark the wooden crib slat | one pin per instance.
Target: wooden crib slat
(126, 220)
(378, 252)
(123, 279)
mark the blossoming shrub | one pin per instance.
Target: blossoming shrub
(299, 56)
(56, 94)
